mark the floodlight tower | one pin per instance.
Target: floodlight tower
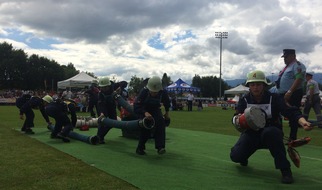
(220, 35)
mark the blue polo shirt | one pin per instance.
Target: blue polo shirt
(293, 71)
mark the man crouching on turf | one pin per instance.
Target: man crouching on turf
(270, 135)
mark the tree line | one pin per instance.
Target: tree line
(20, 71)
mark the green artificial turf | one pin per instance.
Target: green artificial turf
(198, 145)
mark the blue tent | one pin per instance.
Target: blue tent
(181, 86)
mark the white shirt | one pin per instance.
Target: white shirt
(190, 97)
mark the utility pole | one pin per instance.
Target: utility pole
(220, 35)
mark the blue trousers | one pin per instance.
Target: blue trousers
(158, 132)
(250, 141)
(295, 100)
(29, 121)
(63, 124)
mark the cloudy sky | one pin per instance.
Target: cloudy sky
(123, 38)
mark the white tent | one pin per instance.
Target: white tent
(79, 81)
(240, 89)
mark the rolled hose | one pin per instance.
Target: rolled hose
(147, 123)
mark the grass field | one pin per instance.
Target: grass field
(29, 164)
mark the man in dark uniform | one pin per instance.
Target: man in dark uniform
(92, 98)
(121, 86)
(70, 108)
(106, 106)
(148, 104)
(26, 108)
(271, 135)
(58, 111)
(123, 92)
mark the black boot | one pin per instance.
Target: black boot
(140, 151)
(29, 131)
(63, 137)
(287, 176)
(244, 163)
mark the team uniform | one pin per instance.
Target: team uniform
(63, 125)
(146, 103)
(106, 105)
(27, 108)
(271, 136)
(70, 109)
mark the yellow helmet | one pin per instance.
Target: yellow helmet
(104, 81)
(48, 99)
(256, 76)
(154, 84)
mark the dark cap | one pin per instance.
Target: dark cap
(288, 52)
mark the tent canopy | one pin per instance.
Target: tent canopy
(240, 89)
(80, 80)
(181, 86)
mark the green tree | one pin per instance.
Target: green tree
(135, 85)
(12, 66)
(69, 70)
(209, 85)
(17, 70)
(43, 73)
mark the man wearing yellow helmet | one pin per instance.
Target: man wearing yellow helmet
(58, 111)
(106, 105)
(271, 135)
(148, 104)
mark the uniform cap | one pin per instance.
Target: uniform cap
(288, 52)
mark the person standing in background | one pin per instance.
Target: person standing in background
(93, 98)
(190, 99)
(313, 99)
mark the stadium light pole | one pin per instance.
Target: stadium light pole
(220, 35)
